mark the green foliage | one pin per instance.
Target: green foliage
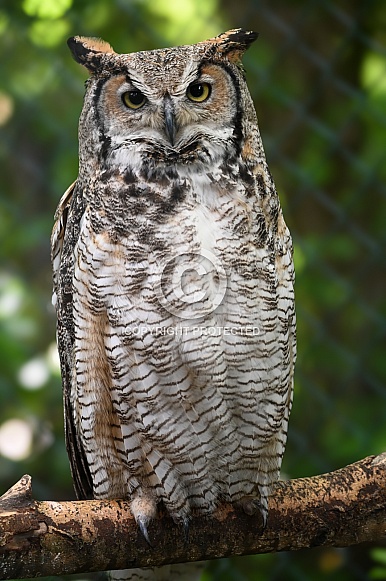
(317, 77)
(46, 9)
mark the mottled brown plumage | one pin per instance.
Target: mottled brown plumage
(173, 284)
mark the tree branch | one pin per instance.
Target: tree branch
(341, 508)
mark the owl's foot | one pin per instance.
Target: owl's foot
(185, 524)
(251, 505)
(144, 510)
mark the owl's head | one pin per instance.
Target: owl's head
(180, 105)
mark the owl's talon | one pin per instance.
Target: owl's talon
(251, 505)
(264, 516)
(144, 510)
(186, 525)
(142, 523)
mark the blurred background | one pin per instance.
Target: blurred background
(318, 78)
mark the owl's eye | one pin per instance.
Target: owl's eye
(199, 92)
(133, 99)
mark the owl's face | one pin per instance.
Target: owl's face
(174, 115)
(178, 105)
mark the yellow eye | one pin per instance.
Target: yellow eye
(133, 99)
(199, 92)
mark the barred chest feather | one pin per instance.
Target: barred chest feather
(189, 382)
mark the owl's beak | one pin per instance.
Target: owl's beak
(170, 119)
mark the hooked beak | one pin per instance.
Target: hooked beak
(170, 119)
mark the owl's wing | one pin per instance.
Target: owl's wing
(60, 298)
(57, 236)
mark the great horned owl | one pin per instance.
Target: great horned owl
(173, 285)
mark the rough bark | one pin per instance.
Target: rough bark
(341, 508)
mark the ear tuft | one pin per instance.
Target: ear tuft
(234, 43)
(89, 51)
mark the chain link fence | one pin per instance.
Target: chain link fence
(318, 77)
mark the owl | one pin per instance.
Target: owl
(173, 286)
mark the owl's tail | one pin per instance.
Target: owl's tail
(178, 572)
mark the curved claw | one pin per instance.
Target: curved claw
(143, 508)
(185, 525)
(264, 516)
(252, 504)
(142, 523)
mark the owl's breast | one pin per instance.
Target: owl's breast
(181, 231)
(179, 309)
